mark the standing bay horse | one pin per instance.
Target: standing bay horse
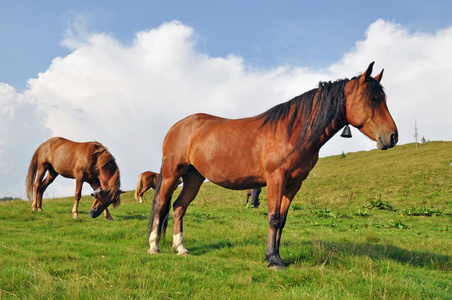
(285, 142)
(85, 162)
(147, 180)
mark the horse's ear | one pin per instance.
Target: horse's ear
(365, 77)
(379, 76)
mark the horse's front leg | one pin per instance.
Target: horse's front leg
(78, 195)
(275, 191)
(192, 183)
(107, 215)
(284, 209)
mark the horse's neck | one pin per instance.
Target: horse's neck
(329, 131)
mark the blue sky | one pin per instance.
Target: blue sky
(123, 73)
(264, 33)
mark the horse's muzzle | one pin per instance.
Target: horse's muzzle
(95, 212)
(384, 143)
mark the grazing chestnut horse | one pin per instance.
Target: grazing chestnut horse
(285, 143)
(147, 180)
(85, 162)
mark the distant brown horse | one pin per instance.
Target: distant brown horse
(85, 162)
(285, 142)
(147, 180)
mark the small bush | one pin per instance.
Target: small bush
(362, 213)
(380, 205)
(325, 213)
(397, 224)
(422, 211)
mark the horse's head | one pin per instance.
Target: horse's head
(102, 199)
(366, 109)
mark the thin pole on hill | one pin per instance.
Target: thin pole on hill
(416, 134)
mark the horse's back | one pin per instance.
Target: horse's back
(178, 139)
(67, 157)
(56, 144)
(218, 148)
(149, 179)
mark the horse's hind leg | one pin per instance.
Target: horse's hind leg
(192, 182)
(40, 186)
(51, 175)
(144, 188)
(140, 196)
(140, 188)
(162, 202)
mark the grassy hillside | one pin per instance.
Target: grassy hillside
(405, 176)
(370, 225)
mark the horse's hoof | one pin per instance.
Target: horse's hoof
(183, 252)
(74, 216)
(110, 219)
(277, 267)
(153, 251)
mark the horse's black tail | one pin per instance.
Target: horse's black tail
(166, 211)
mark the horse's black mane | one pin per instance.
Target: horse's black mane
(329, 104)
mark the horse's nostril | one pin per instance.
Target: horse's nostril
(394, 139)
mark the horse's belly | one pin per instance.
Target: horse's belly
(240, 183)
(233, 174)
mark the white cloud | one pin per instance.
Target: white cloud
(127, 97)
(416, 79)
(21, 128)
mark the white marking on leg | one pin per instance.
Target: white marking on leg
(153, 242)
(178, 244)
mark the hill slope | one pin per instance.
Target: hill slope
(405, 175)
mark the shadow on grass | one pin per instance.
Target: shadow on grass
(324, 252)
(205, 248)
(132, 217)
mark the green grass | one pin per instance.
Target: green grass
(341, 240)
